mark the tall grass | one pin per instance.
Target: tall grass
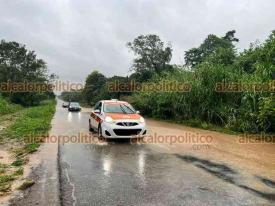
(33, 125)
(244, 111)
(7, 108)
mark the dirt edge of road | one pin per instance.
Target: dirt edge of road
(47, 158)
(44, 166)
(43, 169)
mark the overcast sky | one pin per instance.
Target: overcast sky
(75, 37)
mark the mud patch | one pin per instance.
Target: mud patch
(5, 157)
(227, 174)
(268, 196)
(267, 182)
(219, 170)
(19, 199)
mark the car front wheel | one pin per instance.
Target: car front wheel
(90, 128)
(99, 132)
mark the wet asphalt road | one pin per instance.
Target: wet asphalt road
(121, 173)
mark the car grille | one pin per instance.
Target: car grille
(127, 124)
(127, 132)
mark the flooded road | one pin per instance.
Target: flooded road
(126, 173)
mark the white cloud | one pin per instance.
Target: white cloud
(75, 37)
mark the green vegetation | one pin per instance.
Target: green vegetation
(96, 88)
(26, 184)
(215, 61)
(6, 180)
(19, 172)
(28, 129)
(33, 125)
(3, 168)
(73, 96)
(25, 116)
(152, 57)
(18, 163)
(219, 47)
(8, 108)
(19, 66)
(247, 111)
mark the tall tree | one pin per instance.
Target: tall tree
(211, 45)
(94, 83)
(151, 54)
(19, 65)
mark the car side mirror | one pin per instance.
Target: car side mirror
(97, 111)
(138, 112)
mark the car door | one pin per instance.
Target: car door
(93, 116)
(96, 117)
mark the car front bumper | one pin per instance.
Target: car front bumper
(74, 109)
(112, 130)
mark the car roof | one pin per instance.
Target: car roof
(114, 101)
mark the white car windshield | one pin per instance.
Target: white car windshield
(119, 108)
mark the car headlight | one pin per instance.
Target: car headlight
(108, 119)
(141, 120)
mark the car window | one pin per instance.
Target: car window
(98, 106)
(119, 108)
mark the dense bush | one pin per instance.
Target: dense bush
(249, 111)
(6, 107)
(214, 61)
(19, 66)
(72, 96)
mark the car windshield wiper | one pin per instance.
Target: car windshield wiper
(123, 109)
(129, 108)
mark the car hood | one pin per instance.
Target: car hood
(116, 116)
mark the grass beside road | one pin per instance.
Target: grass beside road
(8, 176)
(33, 125)
(7, 108)
(25, 127)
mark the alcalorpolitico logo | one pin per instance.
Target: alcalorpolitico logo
(245, 87)
(39, 87)
(261, 138)
(162, 86)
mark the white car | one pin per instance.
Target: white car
(116, 119)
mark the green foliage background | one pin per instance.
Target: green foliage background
(216, 60)
(247, 111)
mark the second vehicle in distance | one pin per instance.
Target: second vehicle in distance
(74, 106)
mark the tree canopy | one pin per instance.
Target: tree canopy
(151, 54)
(19, 65)
(211, 45)
(94, 83)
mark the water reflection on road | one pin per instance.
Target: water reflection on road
(121, 173)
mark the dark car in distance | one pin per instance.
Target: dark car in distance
(65, 105)
(74, 106)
